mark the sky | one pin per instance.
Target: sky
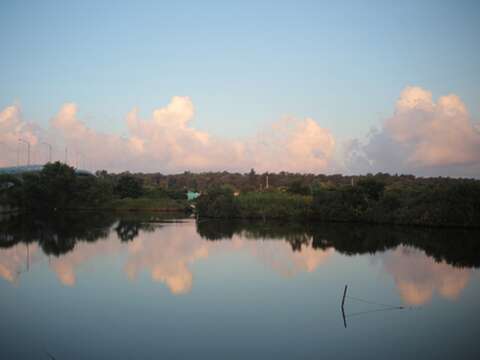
(307, 86)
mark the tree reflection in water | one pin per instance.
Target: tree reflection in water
(421, 261)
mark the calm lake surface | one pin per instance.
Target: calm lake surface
(104, 286)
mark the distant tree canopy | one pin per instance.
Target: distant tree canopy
(372, 188)
(56, 187)
(445, 202)
(129, 186)
(372, 199)
(380, 198)
(297, 187)
(253, 181)
(218, 202)
(9, 187)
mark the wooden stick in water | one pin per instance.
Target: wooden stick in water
(344, 295)
(343, 304)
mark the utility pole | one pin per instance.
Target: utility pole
(80, 160)
(28, 149)
(66, 155)
(266, 183)
(49, 151)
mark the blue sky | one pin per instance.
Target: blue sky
(243, 64)
(237, 69)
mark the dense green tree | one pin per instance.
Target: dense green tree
(53, 188)
(372, 188)
(128, 186)
(218, 202)
(92, 192)
(57, 186)
(297, 187)
(10, 190)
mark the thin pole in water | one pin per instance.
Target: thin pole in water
(344, 295)
(343, 306)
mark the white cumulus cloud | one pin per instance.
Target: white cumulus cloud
(167, 142)
(422, 137)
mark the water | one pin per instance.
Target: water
(99, 286)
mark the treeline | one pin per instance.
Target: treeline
(58, 186)
(432, 202)
(294, 183)
(444, 202)
(251, 181)
(380, 198)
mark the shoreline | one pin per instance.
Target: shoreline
(182, 211)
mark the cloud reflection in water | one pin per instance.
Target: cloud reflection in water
(168, 252)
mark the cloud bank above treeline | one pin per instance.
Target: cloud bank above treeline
(423, 137)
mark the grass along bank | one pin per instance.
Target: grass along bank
(146, 204)
(444, 203)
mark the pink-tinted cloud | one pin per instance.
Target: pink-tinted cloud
(12, 128)
(293, 145)
(422, 137)
(167, 142)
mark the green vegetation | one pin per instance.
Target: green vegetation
(220, 202)
(128, 187)
(380, 198)
(144, 203)
(274, 205)
(445, 202)
(55, 187)
(58, 187)
(431, 202)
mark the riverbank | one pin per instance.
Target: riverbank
(146, 204)
(117, 205)
(378, 199)
(447, 204)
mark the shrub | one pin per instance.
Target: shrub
(128, 186)
(274, 205)
(218, 202)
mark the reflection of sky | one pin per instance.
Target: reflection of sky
(170, 253)
(418, 276)
(166, 255)
(240, 298)
(17, 259)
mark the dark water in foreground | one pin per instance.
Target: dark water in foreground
(96, 286)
